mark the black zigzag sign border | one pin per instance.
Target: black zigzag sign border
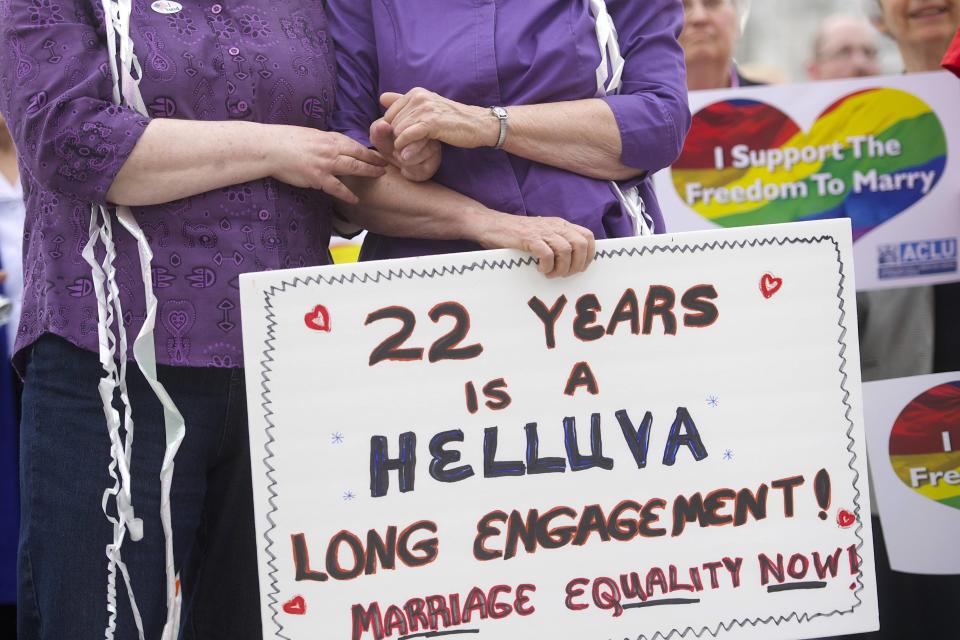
(507, 265)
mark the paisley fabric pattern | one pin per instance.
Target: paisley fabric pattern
(260, 61)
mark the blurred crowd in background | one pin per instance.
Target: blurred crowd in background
(779, 41)
(781, 36)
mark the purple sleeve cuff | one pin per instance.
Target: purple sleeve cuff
(70, 137)
(649, 133)
(651, 109)
(82, 157)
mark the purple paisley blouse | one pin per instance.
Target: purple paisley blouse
(257, 60)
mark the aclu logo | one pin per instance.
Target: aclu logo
(917, 258)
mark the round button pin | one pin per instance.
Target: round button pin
(166, 6)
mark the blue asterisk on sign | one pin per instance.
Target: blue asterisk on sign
(336, 438)
(728, 455)
(713, 401)
(348, 496)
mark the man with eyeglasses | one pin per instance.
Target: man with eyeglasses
(710, 34)
(844, 47)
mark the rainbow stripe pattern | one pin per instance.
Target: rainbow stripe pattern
(925, 444)
(902, 155)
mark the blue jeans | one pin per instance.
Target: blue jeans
(64, 454)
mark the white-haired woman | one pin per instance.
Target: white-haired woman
(951, 61)
(710, 35)
(922, 29)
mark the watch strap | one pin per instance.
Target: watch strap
(501, 114)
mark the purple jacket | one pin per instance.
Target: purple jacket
(264, 61)
(511, 52)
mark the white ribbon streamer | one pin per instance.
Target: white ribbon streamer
(610, 71)
(609, 81)
(126, 91)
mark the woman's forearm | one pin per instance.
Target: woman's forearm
(394, 206)
(179, 158)
(175, 159)
(581, 136)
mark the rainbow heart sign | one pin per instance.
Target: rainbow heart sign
(868, 157)
(925, 444)
(914, 423)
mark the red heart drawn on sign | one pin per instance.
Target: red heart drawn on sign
(318, 319)
(845, 519)
(296, 606)
(769, 285)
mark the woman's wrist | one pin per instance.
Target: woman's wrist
(252, 149)
(272, 145)
(487, 126)
(486, 227)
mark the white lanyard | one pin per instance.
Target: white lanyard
(609, 80)
(126, 91)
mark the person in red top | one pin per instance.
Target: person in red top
(951, 61)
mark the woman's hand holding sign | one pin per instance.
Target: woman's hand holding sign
(560, 247)
(396, 206)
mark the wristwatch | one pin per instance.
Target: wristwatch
(501, 114)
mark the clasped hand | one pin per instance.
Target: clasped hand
(415, 123)
(314, 159)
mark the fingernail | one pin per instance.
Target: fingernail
(405, 154)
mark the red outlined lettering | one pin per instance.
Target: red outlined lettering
(581, 376)
(698, 300)
(390, 349)
(446, 347)
(573, 590)
(584, 322)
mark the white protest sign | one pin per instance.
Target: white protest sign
(874, 150)
(670, 442)
(913, 436)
